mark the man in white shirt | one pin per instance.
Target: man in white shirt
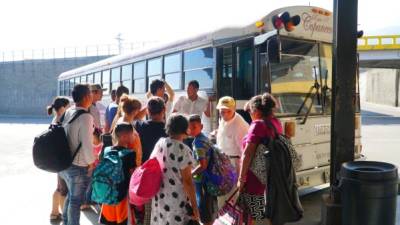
(97, 93)
(192, 103)
(231, 130)
(80, 136)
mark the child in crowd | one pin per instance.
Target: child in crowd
(97, 144)
(97, 147)
(118, 214)
(202, 148)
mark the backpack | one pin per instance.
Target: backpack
(284, 144)
(107, 176)
(51, 151)
(145, 182)
(281, 159)
(221, 176)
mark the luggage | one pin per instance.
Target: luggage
(145, 182)
(107, 176)
(51, 151)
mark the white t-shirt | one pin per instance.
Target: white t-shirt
(230, 135)
(186, 106)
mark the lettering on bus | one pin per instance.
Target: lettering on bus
(322, 129)
(316, 23)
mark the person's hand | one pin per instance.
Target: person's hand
(91, 169)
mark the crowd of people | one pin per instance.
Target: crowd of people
(172, 132)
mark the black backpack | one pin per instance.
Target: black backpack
(51, 151)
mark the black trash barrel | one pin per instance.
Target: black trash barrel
(369, 193)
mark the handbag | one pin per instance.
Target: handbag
(230, 213)
(258, 165)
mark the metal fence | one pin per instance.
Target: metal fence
(73, 52)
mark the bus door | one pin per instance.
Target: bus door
(235, 72)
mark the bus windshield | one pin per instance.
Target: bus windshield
(303, 71)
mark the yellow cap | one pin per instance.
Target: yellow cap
(226, 102)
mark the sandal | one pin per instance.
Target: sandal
(55, 217)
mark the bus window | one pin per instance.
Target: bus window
(77, 80)
(293, 78)
(172, 70)
(225, 56)
(172, 63)
(90, 78)
(198, 66)
(326, 76)
(139, 74)
(105, 81)
(199, 58)
(139, 70)
(97, 78)
(61, 87)
(71, 86)
(174, 80)
(244, 80)
(153, 70)
(83, 79)
(66, 87)
(203, 76)
(139, 85)
(126, 77)
(154, 67)
(115, 78)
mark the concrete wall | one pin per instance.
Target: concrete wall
(382, 86)
(27, 87)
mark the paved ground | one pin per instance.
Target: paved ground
(26, 191)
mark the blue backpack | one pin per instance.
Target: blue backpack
(107, 176)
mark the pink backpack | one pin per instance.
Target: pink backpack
(145, 182)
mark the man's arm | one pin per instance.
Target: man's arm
(170, 92)
(141, 114)
(208, 109)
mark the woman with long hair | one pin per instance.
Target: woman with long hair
(57, 109)
(128, 109)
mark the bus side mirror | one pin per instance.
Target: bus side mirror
(274, 50)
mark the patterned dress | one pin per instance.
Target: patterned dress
(171, 206)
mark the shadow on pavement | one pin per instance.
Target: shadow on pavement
(25, 120)
(374, 118)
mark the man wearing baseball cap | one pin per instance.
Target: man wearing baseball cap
(231, 130)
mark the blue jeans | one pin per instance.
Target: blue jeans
(77, 181)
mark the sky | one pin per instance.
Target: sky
(37, 24)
